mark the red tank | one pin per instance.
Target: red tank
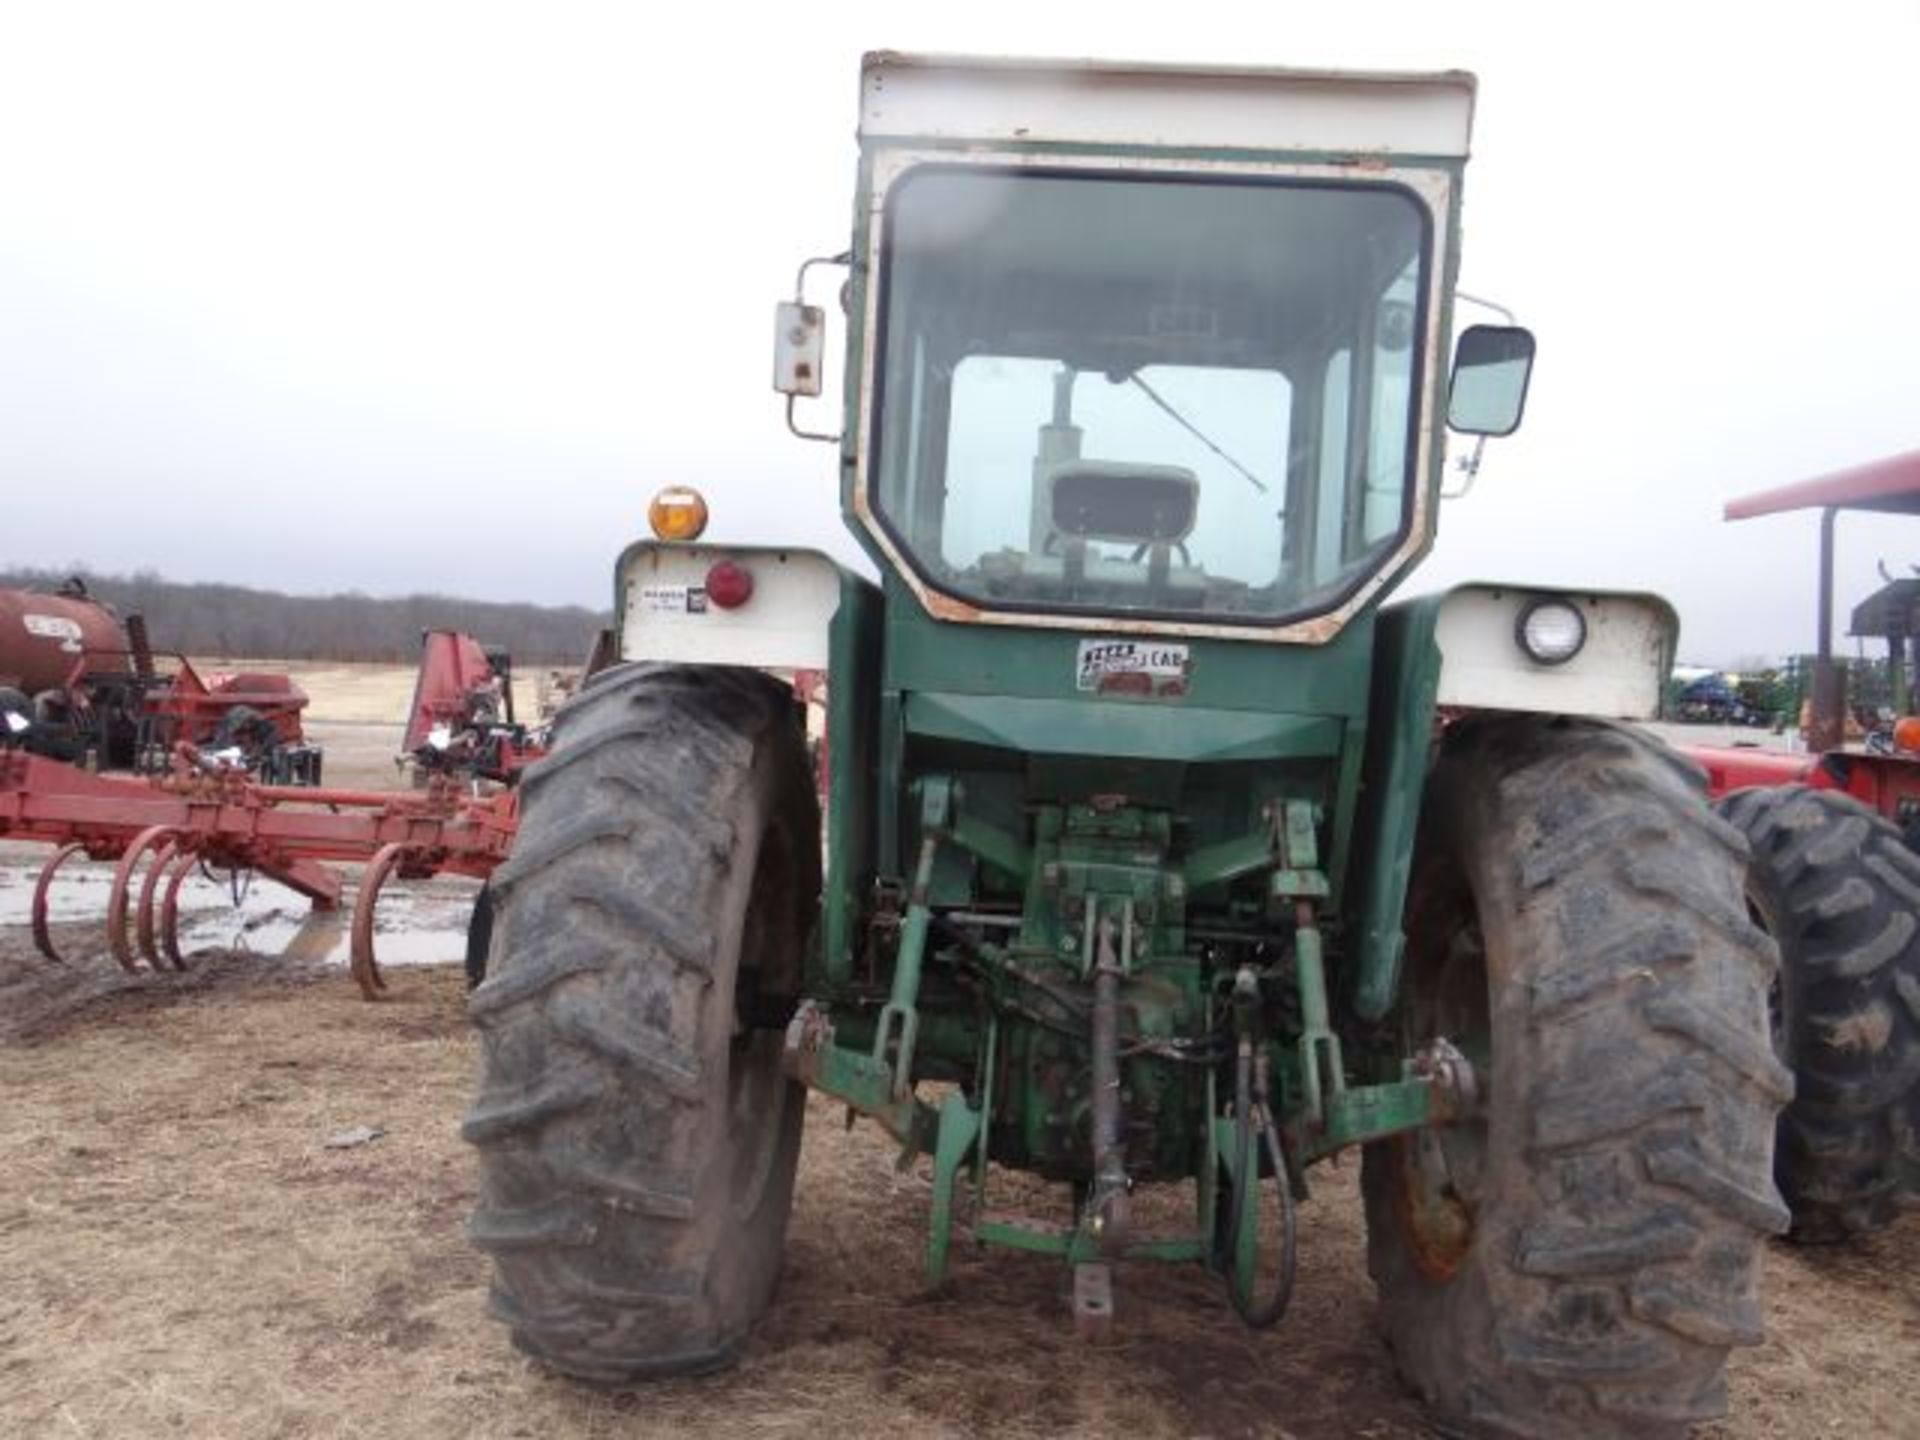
(42, 637)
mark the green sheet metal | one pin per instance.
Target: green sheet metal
(1121, 731)
(1406, 676)
(853, 715)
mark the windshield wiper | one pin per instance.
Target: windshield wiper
(1194, 430)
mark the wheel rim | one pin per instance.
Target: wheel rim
(1442, 1166)
(758, 1091)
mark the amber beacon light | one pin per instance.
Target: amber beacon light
(677, 513)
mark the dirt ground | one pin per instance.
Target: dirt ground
(180, 1254)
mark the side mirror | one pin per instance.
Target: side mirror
(1491, 367)
(799, 347)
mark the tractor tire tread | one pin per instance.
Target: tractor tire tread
(540, 967)
(1745, 1055)
(1838, 886)
(1629, 958)
(1549, 1248)
(497, 1115)
(603, 1121)
(1633, 1141)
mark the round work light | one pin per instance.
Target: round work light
(1551, 632)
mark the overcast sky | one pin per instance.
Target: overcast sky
(400, 297)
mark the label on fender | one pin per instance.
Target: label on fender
(674, 599)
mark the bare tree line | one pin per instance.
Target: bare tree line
(234, 621)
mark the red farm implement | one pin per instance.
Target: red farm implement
(1882, 773)
(203, 815)
(77, 684)
(210, 805)
(462, 717)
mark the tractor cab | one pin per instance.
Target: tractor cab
(1193, 388)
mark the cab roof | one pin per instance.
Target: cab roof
(1149, 105)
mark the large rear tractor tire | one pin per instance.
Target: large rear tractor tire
(1578, 1256)
(1838, 889)
(637, 1135)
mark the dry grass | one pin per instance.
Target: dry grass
(183, 1257)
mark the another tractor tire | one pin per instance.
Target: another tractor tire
(1837, 887)
(1579, 1254)
(637, 1134)
(479, 935)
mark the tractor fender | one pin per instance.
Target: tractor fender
(1459, 652)
(1618, 673)
(667, 607)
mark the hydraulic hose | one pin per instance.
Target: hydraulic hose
(1250, 1113)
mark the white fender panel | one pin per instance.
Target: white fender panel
(1619, 672)
(665, 613)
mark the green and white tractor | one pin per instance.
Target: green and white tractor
(1160, 849)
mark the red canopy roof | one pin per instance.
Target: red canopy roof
(1891, 485)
